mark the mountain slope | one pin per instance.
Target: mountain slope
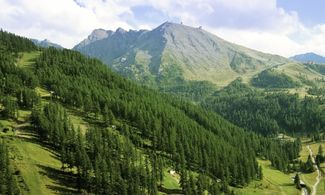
(46, 43)
(132, 133)
(173, 52)
(309, 57)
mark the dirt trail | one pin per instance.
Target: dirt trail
(314, 188)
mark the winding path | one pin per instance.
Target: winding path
(313, 192)
(304, 191)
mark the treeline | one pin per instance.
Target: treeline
(317, 91)
(191, 90)
(8, 184)
(15, 83)
(15, 44)
(267, 113)
(317, 67)
(272, 79)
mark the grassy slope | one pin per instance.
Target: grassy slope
(312, 179)
(309, 178)
(296, 71)
(274, 182)
(38, 165)
(171, 181)
(27, 58)
(293, 70)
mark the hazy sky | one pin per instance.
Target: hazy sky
(284, 27)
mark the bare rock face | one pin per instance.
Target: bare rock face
(97, 34)
(46, 43)
(175, 51)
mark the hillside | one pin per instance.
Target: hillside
(309, 58)
(172, 53)
(272, 111)
(109, 134)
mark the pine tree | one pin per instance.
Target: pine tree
(297, 181)
(260, 173)
(320, 155)
(309, 167)
(320, 150)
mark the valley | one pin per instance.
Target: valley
(252, 123)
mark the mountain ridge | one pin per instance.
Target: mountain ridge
(173, 52)
(46, 43)
(309, 57)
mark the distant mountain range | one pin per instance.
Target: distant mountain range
(175, 52)
(309, 57)
(46, 43)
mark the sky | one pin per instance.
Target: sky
(284, 27)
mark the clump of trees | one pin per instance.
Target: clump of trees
(320, 158)
(318, 91)
(267, 113)
(8, 184)
(272, 79)
(297, 181)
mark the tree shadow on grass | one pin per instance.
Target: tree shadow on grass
(288, 184)
(35, 140)
(169, 191)
(65, 181)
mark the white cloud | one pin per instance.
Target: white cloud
(61, 21)
(258, 24)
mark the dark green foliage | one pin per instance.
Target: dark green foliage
(297, 181)
(267, 113)
(317, 67)
(235, 87)
(27, 98)
(202, 140)
(273, 79)
(52, 124)
(12, 78)
(14, 43)
(308, 166)
(320, 156)
(8, 184)
(10, 107)
(192, 90)
(190, 136)
(116, 165)
(260, 173)
(318, 91)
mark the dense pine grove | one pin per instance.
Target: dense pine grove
(268, 113)
(317, 67)
(273, 79)
(191, 137)
(138, 132)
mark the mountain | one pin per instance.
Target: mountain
(46, 43)
(71, 125)
(174, 52)
(309, 57)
